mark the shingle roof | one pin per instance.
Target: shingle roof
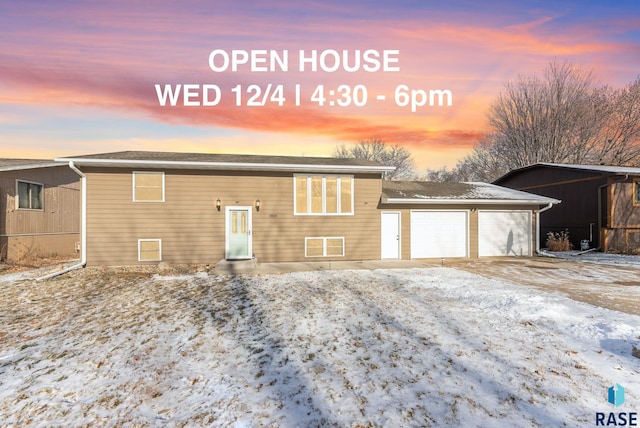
(14, 162)
(142, 159)
(7, 164)
(225, 158)
(437, 192)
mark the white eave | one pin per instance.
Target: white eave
(238, 166)
(442, 201)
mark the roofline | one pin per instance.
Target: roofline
(470, 201)
(575, 167)
(243, 166)
(33, 166)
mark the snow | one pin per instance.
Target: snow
(481, 191)
(390, 347)
(599, 257)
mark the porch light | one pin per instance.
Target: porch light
(258, 204)
(218, 203)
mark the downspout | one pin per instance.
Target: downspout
(538, 251)
(83, 226)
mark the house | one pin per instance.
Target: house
(601, 204)
(39, 209)
(147, 207)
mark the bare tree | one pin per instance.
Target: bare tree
(377, 150)
(549, 119)
(564, 116)
(620, 138)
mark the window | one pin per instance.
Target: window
(323, 195)
(149, 250)
(29, 195)
(324, 247)
(636, 193)
(148, 186)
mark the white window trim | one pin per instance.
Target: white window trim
(133, 183)
(159, 241)
(324, 194)
(18, 195)
(324, 245)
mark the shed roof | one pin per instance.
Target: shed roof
(430, 192)
(598, 169)
(226, 161)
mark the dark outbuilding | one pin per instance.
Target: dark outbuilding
(600, 204)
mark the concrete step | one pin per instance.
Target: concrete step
(236, 266)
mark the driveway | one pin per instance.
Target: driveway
(609, 286)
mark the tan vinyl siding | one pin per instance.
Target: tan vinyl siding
(193, 230)
(53, 230)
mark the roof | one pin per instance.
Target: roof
(7, 164)
(226, 161)
(601, 169)
(430, 192)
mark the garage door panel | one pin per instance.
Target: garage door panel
(504, 233)
(439, 234)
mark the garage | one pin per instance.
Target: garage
(463, 220)
(439, 234)
(504, 233)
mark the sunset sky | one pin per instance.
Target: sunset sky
(78, 77)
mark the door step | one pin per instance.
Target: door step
(236, 266)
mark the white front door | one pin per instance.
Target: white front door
(390, 235)
(238, 233)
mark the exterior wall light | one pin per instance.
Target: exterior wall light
(258, 204)
(218, 203)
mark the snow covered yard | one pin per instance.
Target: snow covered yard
(403, 347)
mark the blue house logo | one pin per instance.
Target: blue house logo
(616, 395)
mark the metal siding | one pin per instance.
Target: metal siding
(52, 231)
(578, 191)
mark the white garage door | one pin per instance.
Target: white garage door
(504, 233)
(439, 234)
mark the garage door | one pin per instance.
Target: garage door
(439, 234)
(504, 233)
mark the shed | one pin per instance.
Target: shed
(601, 203)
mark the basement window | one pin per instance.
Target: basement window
(149, 250)
(324, 247)
(29, 195)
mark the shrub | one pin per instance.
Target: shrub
(559, 241)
